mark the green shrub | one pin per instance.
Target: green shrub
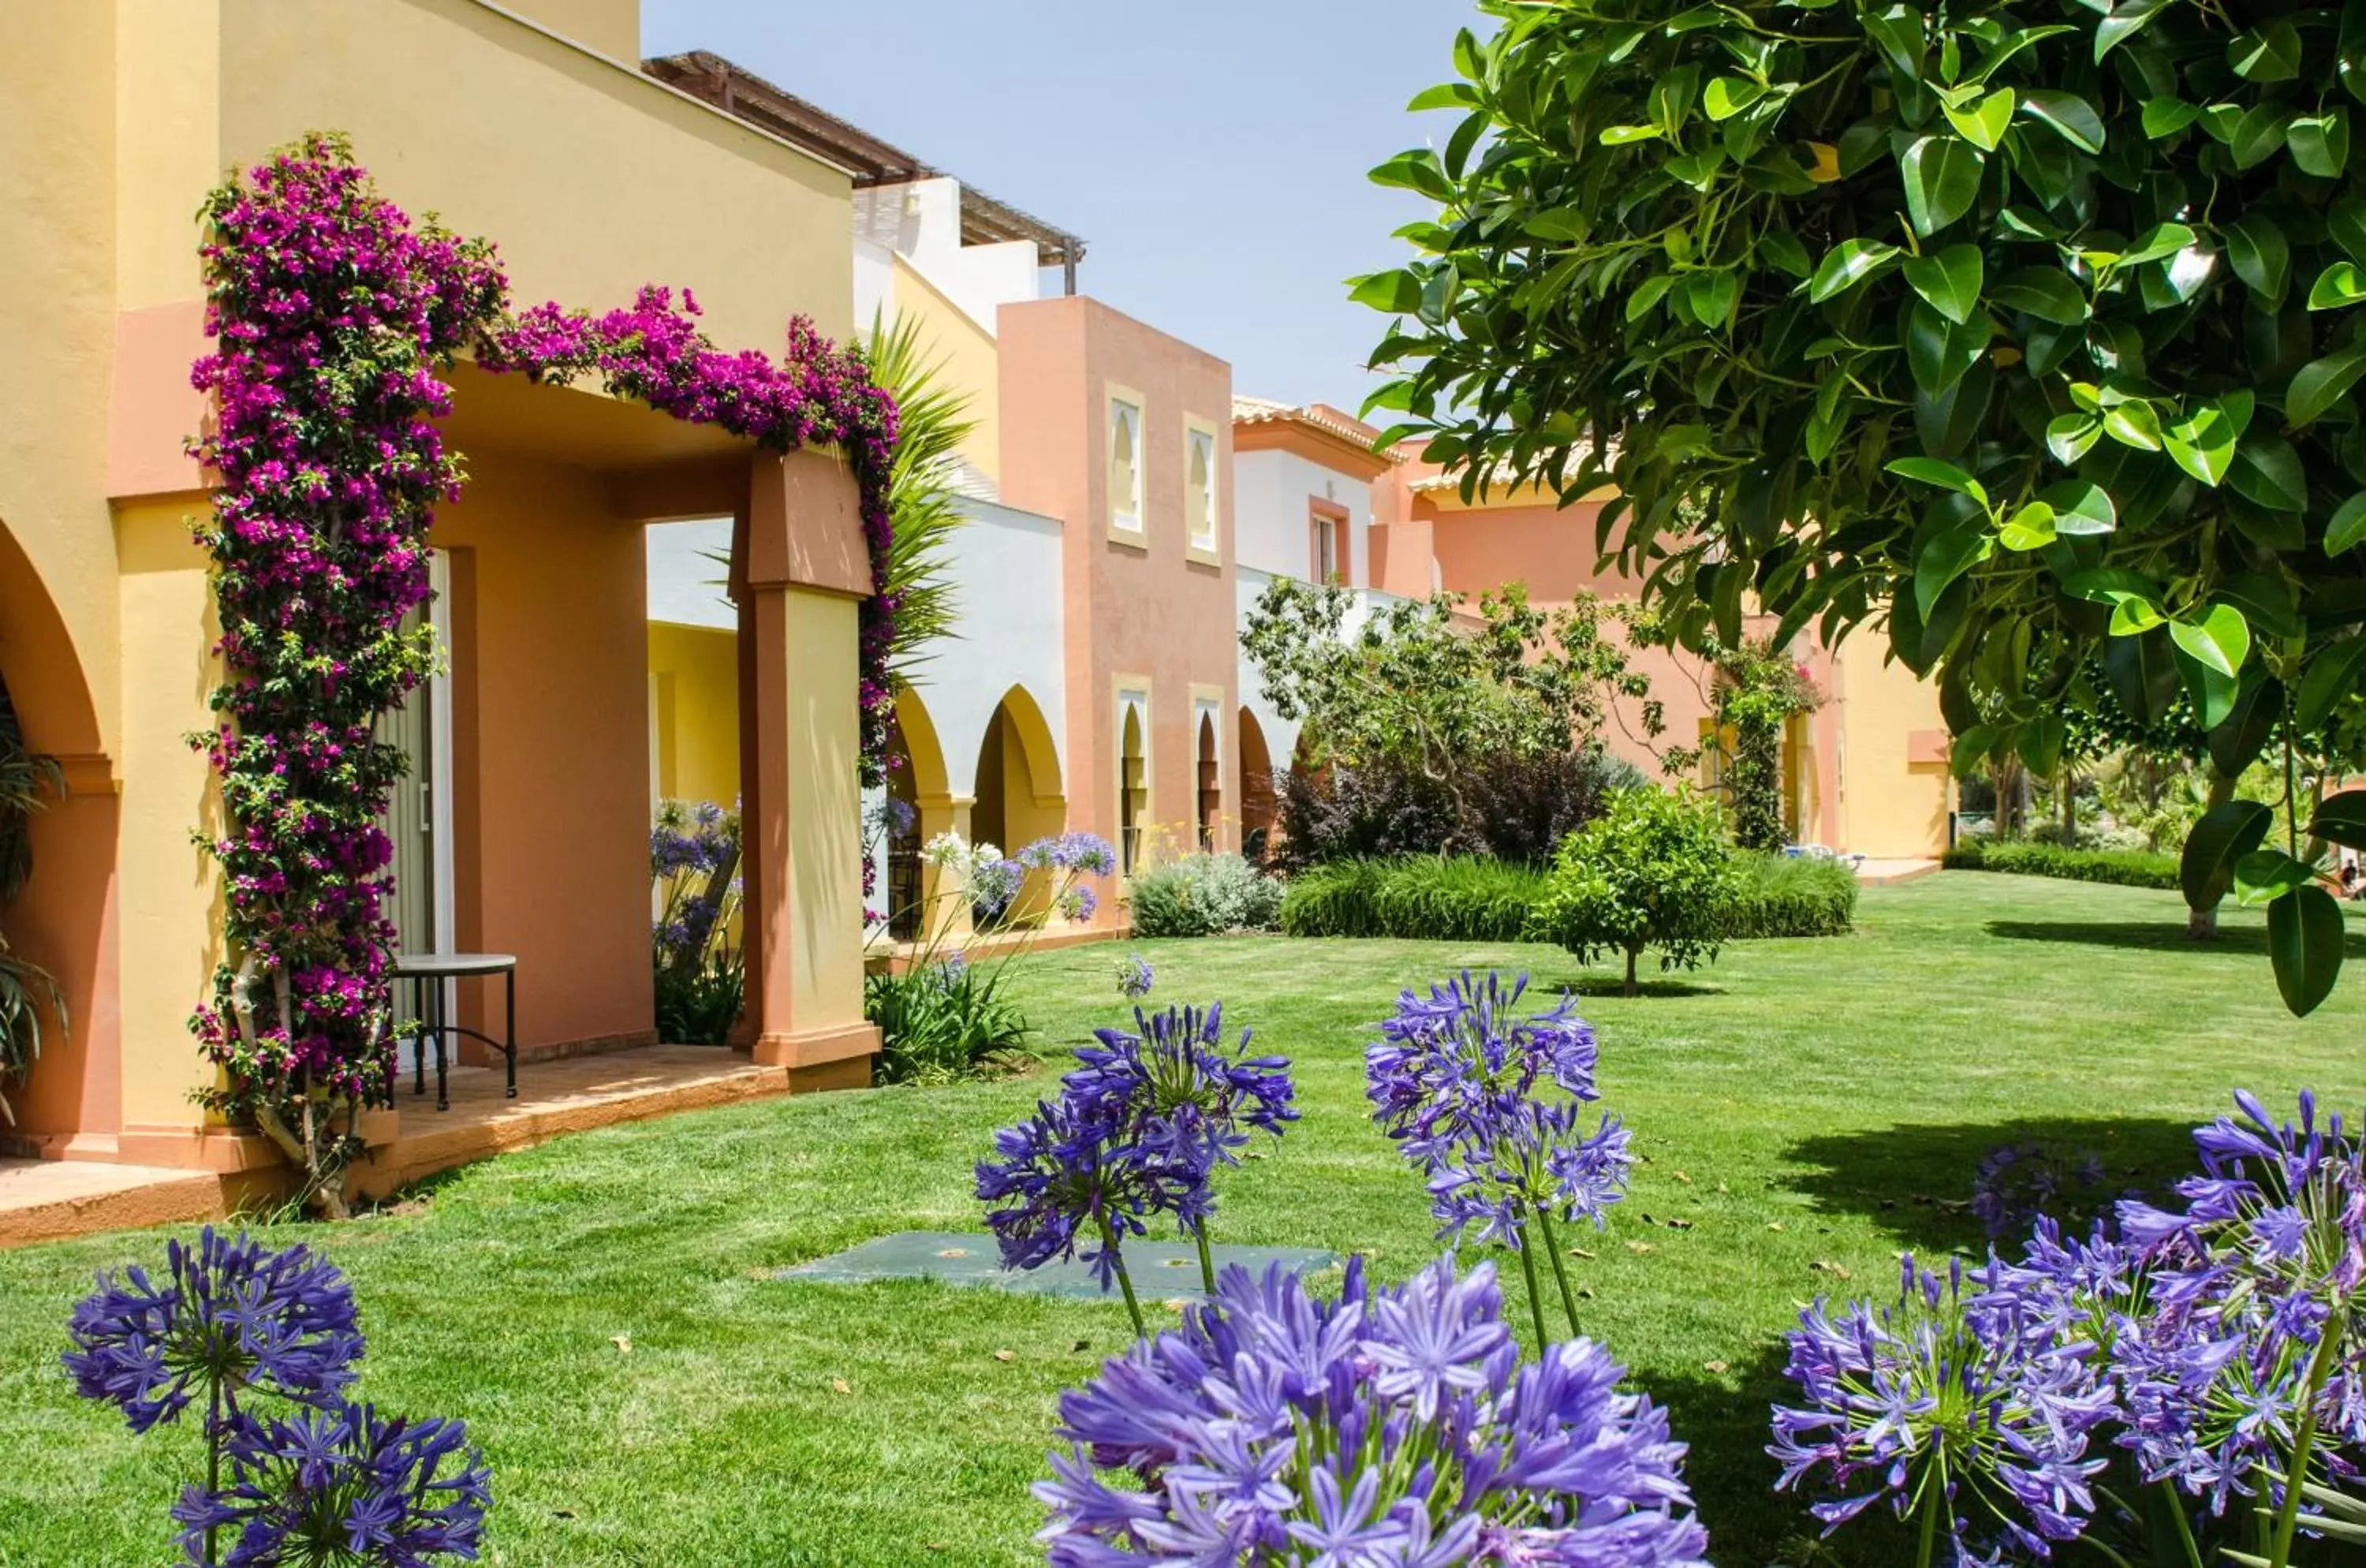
(1336, 899)
(1456, 898)
(1203, 895)
(2122, 868)
(1655, 871)
(941, 1021)
(1782, 895)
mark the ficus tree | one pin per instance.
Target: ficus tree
(2031, 334)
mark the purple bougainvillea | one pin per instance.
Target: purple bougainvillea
(334, 314)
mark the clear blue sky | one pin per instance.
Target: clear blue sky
(1213, 156)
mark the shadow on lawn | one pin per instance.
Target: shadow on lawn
(1915, 1180)
(2164, 936)
(1605, 982)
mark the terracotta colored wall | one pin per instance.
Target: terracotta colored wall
(550, 745)
(1149, 611)
(1550, 548)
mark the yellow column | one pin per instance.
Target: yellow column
(944, 912)
(170, 890)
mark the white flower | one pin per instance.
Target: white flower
(945, 850)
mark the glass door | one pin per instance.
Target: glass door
(418, 818)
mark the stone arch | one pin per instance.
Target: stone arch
(920, 807)
(63, 920)
(1018, 793)
(1259, 808)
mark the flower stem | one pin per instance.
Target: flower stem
(1206, 1259)
(2184, 1526)
(1536, 1293)
(1935, 1483)
(1561, 1270)
(213, 1463)
(1124, 1281)
(2320, 1367)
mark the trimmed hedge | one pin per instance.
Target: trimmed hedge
(1783, 897)
(1204, 894)
(1473, 898)
(2121, 868)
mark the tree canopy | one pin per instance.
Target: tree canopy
(2031, 333)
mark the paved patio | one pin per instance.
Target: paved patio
(48, 1199)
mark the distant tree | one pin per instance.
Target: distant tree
(1654, 871)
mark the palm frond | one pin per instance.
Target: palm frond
(27, 778)
(25, 989)
(934, 423)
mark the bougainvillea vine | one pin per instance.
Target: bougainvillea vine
(334, 314)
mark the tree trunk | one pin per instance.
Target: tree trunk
(2069, 788)
(2201, 925)
(1634, 988)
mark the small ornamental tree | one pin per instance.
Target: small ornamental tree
(2025, 331)
(1654, 870)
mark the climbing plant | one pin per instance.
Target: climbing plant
(2034, 332)
(334, 315)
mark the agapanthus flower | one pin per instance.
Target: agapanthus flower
(1182, 1089)
(1968, 1402)
(1449, 1066)
(994, 883)
(1076, 852)
(228, 1314)
(1389, 1427)
(341, 1485)
(2018, 1182)
(1539, 1160)
(1134, 976)
(1073, 1180)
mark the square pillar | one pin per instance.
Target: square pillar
(800, 570)
(944, 916)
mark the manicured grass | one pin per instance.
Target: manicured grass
(1806, 1108)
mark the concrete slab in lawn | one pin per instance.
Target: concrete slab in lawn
(1161, 1269)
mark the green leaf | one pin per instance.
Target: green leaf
(2070, 436)
(2339, 285)
(1970, 750)
(1945, 557)
(2267, 472)
(2224, 836)
(2123, 23)
(2319, 144)
(2221, 638)
(1399, 292)
(1780, 250)
(1446, 95)
(2041, 743)
(2258, 135)
(1418, 170)
(1626, 135)
(1942, 180)
(1725, 97)
(1983, 124)
(2320, 384)
(2133, 424)
(1937, 471)
(2305, 937)
(2266, 54)
(1949, 279)
(2165, 116)
(2347, 526)
(1648, 294)
(2256, 250)
(2333, 676)
(2268, 874)
(2045, 292)
(2342, 818)
(2204, 442)
(1848, 263)
(2160, 240)
(1710, 296)
(1939, 353)
(2031, 528)
(2080, 507)
(2071, 116)
(2347, 223)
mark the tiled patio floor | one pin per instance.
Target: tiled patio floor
(47, 1199)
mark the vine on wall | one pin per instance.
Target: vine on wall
(334, 314)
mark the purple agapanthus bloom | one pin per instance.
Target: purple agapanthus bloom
(1186, 1091)
(1072, 1176)
(2017, 1182)
(341, 1485)
(1449, 1065)
(1390, 1427)
(228, 1314)
(1076, 852)
(1962, 1397)
(1134, 976)
(993, 884)
(1541, 1161)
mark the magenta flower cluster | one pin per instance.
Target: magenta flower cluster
(334, 314)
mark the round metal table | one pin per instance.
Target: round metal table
(427, 972)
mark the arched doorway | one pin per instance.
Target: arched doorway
(918, 808)
(1210, 801)
(1258, 806)
(1018, 794)
(61, 920)
(1132, 787)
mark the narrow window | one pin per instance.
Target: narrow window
(1125, 464)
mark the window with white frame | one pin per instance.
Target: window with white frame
(1125, 463)
(1199, 498)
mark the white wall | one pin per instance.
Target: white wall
(1269, 494)
(1008, 611)
(686, 587)
(921, 222)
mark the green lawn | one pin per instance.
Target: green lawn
(1803, 1107)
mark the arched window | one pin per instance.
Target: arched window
(1211, 783)
(1133, 788)
(1125, 464)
